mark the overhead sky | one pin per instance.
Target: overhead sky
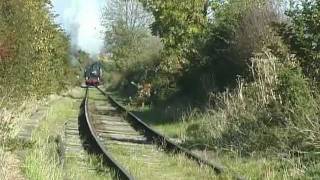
(82, 20)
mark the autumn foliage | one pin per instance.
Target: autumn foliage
(34, 51)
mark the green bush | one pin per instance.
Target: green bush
(295, 92)
(275, 112)
(35, 51)
(223, 52)
(303, 36)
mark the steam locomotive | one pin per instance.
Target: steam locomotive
(92, 74)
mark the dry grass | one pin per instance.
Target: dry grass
(145, 161)
(7, 125)
(3, 164)
(251, 104)
(10, 121)
(267, 128)
(275, 115)
(10, 166)
(43, 160)
(13, 117)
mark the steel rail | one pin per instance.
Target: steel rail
(161, 140)
(98, 147)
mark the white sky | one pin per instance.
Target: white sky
(86, 15)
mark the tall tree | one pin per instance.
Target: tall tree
(177, 23)
(126, 26)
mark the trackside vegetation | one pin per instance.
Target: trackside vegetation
(45, 158)
(238, 78)
(34, 51)
(34, 62)
(235, 81)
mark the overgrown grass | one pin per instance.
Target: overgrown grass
(145, 161)
(4, 173)
(267, 128)
(43, 160)
(160, 120)
(10, 118)
(277, 112)
(256, 165)
(263, 166)
(96, 169)
(270, 124)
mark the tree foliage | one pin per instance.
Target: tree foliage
(208, 45)
(259, 84)
(126, 32)
(33, 49)
(177, 23)
(234, 32)
(204, 38)
(303, 36)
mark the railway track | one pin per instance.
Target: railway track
(74, 156)
(130, 147)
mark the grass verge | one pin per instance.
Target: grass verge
(44, 159)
